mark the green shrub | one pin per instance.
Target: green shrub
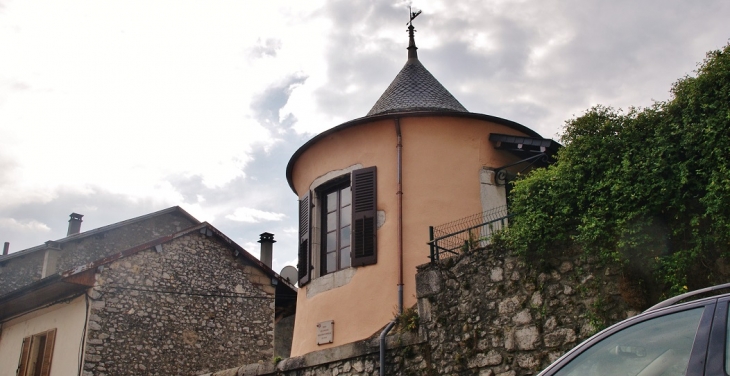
(647, 188)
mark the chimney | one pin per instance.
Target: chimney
(267, 246)
(6, 248)
(74, 224)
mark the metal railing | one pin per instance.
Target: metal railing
(463, 235)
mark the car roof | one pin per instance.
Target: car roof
(674, 300)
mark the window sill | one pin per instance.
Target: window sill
(330, 281)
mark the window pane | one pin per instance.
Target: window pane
(345, 216)
(335, 223)
(345, 258)
(332, 201)
(345, 236)
(345, 196)
(332, 221)
(38, 347)
(331, 262)
(659, 346)
(331, 241)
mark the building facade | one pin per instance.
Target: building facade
(370, 188)
(161, 294)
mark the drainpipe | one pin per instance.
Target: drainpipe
(382, 346)
(399, 147)
(399, 194)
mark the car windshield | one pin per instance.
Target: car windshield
(658, 346)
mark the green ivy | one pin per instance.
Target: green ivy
(648, 188)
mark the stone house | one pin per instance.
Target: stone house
(370, 188)
(158, 294)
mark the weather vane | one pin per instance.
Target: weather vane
(413, 15)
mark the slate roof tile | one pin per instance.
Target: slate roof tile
(415, 89)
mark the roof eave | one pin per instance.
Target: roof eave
(394, 115)
(45, 292)
(417, 109)
(72, 282)
(100, 230)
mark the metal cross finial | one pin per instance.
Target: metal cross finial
(413, 15)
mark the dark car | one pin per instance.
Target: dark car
(667, 339)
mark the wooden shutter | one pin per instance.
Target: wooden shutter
(48, 352)
(364, 217)
(304, 264)
(24, 356)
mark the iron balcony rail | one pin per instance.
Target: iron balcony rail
(463, 235)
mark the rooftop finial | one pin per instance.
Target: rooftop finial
(412, 54)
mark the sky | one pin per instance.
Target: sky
(115, 109)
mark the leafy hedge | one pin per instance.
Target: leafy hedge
(649, 188)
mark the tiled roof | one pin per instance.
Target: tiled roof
(415, 89)
(100, 230)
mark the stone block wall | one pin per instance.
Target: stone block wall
(188, 309)
(486, 313)
(362, 358)
(283, 335)
(482, 313)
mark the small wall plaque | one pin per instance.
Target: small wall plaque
(325, 332)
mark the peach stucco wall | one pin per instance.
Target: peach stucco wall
(442, 158)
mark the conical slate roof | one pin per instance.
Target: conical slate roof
(415, 89)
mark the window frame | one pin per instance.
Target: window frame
(31, 355)
(333, 186)
(717, 345)
(363, 223)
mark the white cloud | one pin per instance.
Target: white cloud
(291, 230)
(132, 106)
(12, 224)
(254, 215)
(253, 248)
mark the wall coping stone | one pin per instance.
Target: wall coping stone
(428, 282)
(325, 356)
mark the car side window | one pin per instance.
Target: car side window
(658, 346)
(727, 345)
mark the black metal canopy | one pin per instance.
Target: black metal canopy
(523, 146)
(532, 151)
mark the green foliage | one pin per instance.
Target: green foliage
(649, 188)
(408, 320)
(594, 315)
(471, 243)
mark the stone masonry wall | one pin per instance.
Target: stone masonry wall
(20, 271)
(92, 248)
(24, 270)
(483, 313)
(487, 313)
(403, 357)
(188, 309)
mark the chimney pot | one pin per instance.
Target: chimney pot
(6, 248)
(74, 224)
(267, 246)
